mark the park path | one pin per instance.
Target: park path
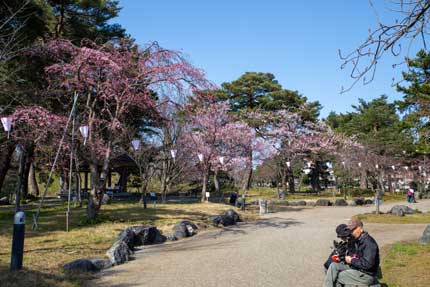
(283, 249)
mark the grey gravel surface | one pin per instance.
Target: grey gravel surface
(283, 249)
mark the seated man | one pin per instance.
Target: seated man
(359, 269)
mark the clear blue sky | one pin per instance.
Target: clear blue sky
(297, 41)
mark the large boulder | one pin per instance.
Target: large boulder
(359, 201)
(311, 203)
(340, 202)
(4, 201)
(184, 228)
(146, 235)
(368, 201)
(84, 265)
(128, 237)
(119, 253)
(425, 239)
(171, 237)
(301, 203)
(323, 202)
(231, 217)
(401, 210)
(216, 220)
(101, 263)
(87, 265)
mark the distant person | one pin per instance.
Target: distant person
(411, 195)
(233, 198)
(359, 269)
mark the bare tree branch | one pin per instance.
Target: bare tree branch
(414, 23)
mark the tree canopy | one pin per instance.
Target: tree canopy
(376, 124)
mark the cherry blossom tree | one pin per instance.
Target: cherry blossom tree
(38, 131)
(293, 139)
(214, 139)
(117, 85)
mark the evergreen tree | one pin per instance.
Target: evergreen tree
(255, 91)
(416, 100)
(376, 125)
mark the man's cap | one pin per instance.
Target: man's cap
(354, 223)
(343, 231)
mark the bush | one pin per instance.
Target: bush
(358, 192)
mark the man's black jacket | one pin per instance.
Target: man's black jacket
(368, 255)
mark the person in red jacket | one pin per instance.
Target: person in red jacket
(359, 268)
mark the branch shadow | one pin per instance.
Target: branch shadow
(27, 277)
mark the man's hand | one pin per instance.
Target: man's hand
(348, 259)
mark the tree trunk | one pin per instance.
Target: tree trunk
(300, 182)
(291, 182)
(363, 179)
(78, 187)
(315, 180)
(33, 187)
(390, 183)
(379, 191)
(64, 182)
(284, 180)
(94, 196)
(5, 160)
(204, 185)
(21, 175)
(164, 182)
(144, 188)
(248, 174)
(78, 183)
(216, 182)
(28, 154)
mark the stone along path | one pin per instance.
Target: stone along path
(284, 249)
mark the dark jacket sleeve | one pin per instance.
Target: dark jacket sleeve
(368, 258)
(329, 261)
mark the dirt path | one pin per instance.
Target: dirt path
(283, 249)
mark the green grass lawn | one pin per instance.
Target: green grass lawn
(271, 193)
(406, 264)
(394, 219)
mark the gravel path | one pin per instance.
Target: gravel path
(284, 249)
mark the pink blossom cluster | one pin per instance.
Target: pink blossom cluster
(212, 132)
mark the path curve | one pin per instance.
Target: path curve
(284, 249)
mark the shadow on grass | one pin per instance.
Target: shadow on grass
(27, 277)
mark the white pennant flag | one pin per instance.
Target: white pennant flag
(7, 124)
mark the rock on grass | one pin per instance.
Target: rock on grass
(119, 253)
(323, 202)
(401, 210)
(184, 229)
(87, 265)
(425, 239)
